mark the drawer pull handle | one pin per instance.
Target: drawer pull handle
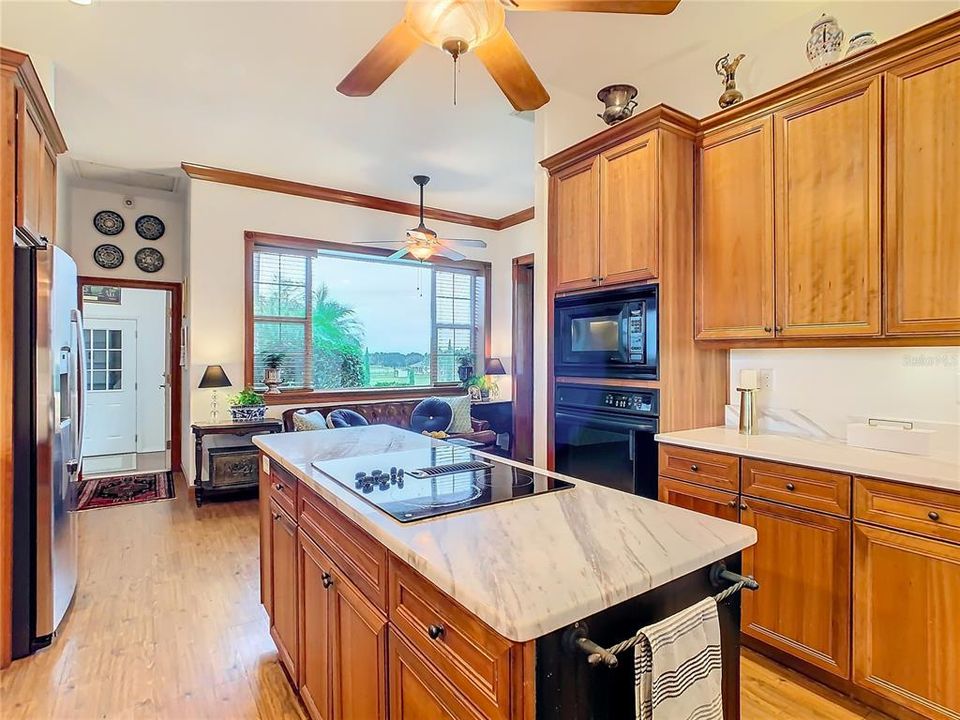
(326, 580)
(933, 515)
(791, 487)
(278, 487)
(694, 468)
(435, 632)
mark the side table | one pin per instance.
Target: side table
(204, 488)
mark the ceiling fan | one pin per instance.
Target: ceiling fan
(459, 26)
(422, 242)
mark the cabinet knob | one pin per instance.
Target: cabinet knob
(767, 328)
(694, 468)
(732, 503)
(326, 579)
(791, 487)
(933, 515)
(779, 328)
(743, 506)
(276, 516)
(278, 487)
(435, 632)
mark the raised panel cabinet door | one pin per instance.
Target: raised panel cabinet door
(48, 194)
(629, 222)
(923, 195)
(708, 501)
(575, 216)
(802, 561)
(827, 209)
(418, 691)
(283, 555)
(359, 655)
(733, 250)
(316, 632)
(906, 621)
(29, 152)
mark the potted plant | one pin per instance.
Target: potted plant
(272, 377)
(465, 368)
(247, 406)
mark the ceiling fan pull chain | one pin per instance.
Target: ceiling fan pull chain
(456, 72)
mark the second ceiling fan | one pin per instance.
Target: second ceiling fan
(461, 26)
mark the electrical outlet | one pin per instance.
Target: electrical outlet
(765, 378)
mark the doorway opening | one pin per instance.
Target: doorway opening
(132, 380)
(523, 301)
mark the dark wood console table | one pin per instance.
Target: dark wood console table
(208, 488)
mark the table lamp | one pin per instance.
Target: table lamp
(494, 366)
(214, 377)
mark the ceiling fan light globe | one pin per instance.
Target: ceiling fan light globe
(471, 22)
(421, 252)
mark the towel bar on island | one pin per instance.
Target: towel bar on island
(577, 637)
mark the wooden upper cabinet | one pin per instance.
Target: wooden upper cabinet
(575, 194)
(48, 194)
(734, 245)
(923, 195)
(827, 164)
(629, 227)
(907, 631)
(802, 560)
(29, 167)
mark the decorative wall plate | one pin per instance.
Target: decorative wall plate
(150, 227)
(108, 256)
(149, 259)
(107, 222)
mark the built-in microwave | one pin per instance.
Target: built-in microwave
(608, 334)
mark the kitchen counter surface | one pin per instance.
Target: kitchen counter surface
(529, 566)
(824, 454)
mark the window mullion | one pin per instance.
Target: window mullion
(308, 326)
(433, 326)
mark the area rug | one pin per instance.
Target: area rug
(125, 490)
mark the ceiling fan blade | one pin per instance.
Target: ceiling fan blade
(466, 243)
(378, 64)
(448, 252)
(398, 254)
(634, 7)
(511, 71)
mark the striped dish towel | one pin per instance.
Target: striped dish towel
(677, 666)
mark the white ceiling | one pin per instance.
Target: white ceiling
(251, 85)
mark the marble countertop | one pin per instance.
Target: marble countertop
(825, 454)
(532, 565)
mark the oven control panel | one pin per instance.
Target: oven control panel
(637, 403)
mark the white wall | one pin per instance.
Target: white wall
(218, 215)
(80, 204)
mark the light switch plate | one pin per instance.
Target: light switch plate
(765, 378)
(266, 464)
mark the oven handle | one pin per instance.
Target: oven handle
(605, 422)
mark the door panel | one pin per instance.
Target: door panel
(110, 427)
(802, 561)
(315, 606)
(29, 152)
(828, 214)
(629, 237)
(576, 225)
(734, 244)
(922, 195)
(47, 213)
(283, 625)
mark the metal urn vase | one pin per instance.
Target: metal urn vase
(618, 102)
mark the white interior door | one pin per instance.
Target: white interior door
(153, 422)
(110, 427)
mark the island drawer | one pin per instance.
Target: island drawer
(700, 466)
(283, 488)
(465, 651)
(925, 511)
(361, 558)
(802, 487)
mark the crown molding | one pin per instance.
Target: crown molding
(347, 197)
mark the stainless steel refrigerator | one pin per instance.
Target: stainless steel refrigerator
(48, 393)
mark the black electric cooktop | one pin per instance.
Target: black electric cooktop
(424, 483)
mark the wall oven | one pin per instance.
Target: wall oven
(605, 435)
(607, 334)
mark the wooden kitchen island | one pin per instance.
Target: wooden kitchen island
(472, 614)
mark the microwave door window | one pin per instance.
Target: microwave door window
(595, 334)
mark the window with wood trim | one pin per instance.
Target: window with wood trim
(350, 320)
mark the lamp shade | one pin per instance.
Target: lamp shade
(214, 377)
(494, 366)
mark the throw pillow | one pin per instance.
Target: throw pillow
(309, 421)
(460, 422)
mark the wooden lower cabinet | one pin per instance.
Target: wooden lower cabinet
(906, 635)
(708, 501)
(418, 691)
(315, 629)
(802, 560)
(283, 590)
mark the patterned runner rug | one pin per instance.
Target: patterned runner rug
(125, 490)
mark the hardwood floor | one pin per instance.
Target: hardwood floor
(167, 623)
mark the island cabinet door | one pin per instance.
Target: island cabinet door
(316, 632)
(802, 561)
(708, 501)
(283, 592)
(418, 691)
(827, 165)
(907, 627)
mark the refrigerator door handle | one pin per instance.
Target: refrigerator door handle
(78, 367)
